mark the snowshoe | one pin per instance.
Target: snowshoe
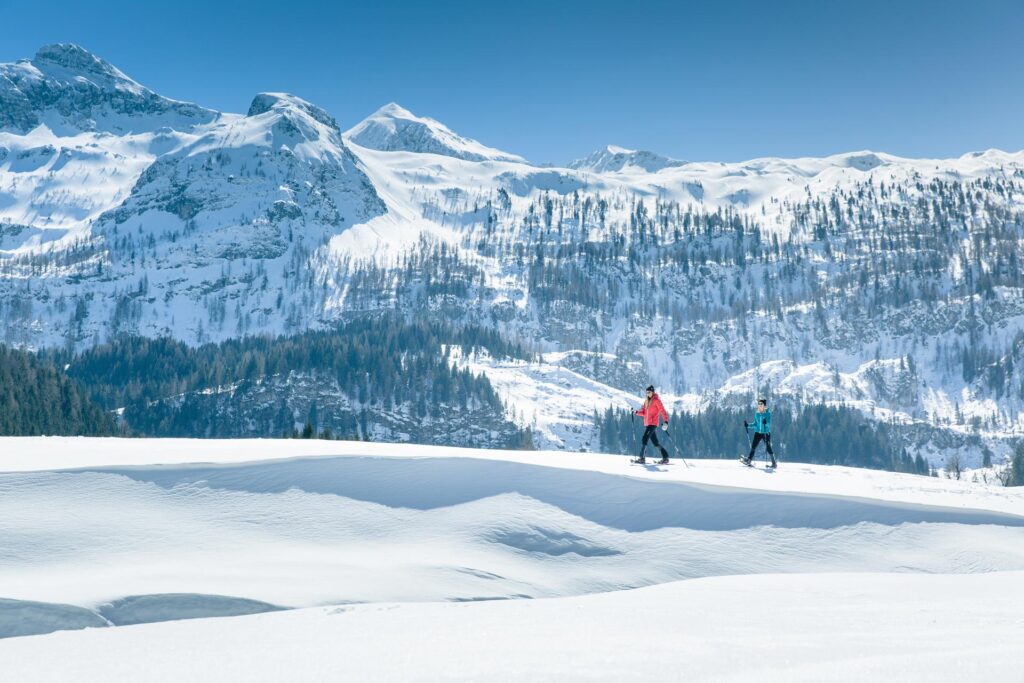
(746, 461)
(639, 461)
(663, 461)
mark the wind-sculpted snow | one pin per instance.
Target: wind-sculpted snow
(606, 500)
(26, 617)
(150, 542)
(145, 609)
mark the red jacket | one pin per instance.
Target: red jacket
(652, 410)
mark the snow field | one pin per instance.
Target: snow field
(386, 523)
(797, 627)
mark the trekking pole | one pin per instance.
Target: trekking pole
(676, 448)
(632, 426)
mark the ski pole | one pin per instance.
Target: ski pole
(676, 448)
(632, 426)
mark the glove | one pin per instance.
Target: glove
(665, 427)
(746, 425)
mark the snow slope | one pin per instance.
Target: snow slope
(797, 627)
(60, 453)
(395, 555)
(115, 532)
(52, 187)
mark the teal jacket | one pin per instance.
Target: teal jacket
(763, 422)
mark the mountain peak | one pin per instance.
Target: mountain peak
(74, 58)
(268, 101)
(70, 90)
(864, 160)
(615, 159)
(394, 109)
(393, 128)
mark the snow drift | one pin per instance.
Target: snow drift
(173, 537)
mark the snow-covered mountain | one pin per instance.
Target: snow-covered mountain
(394, 129)
(613, 159)
(893, 285)
(68, 89)
(249, 187)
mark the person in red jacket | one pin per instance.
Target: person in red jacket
(653, 411)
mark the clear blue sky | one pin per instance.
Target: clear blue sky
(726, 80)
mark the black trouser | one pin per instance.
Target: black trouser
(758, 436)
(651, 434)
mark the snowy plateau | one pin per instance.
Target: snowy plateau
(888, 285)
(314, 560)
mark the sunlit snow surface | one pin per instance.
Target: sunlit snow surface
(109, 532)
(794, 627)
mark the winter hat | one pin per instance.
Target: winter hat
(650, 387)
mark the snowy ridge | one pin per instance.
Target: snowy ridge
(69, 89)
(613, 159)
(40, 454)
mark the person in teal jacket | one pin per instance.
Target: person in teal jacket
(762, 430)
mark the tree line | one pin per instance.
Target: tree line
(38, 399)
(374, 373)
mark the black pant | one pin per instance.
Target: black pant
(758, 436)
(651, 434)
